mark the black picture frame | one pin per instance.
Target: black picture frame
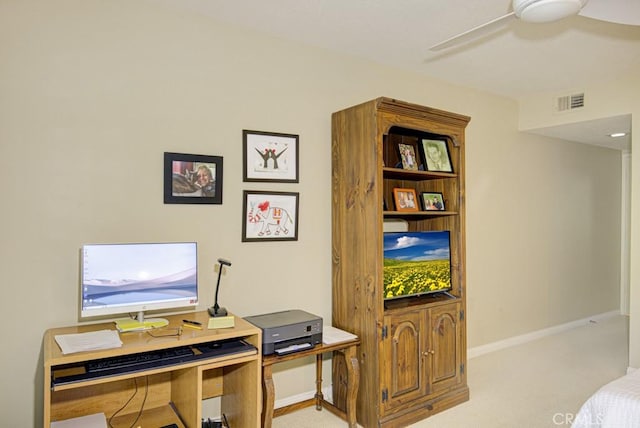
(270, 157)
(432, 201)
(182, 184)
(270, 216)
(436, 155)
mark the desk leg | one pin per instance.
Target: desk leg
(353, 380)
(319, 396)
(268, 396)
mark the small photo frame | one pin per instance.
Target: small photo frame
(192, 179)
(270, 216)
(405, 199)
(270, 156)
(436, 155)
(432, 201)
(408, 156)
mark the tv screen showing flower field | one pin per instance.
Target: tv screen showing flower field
(416, 263)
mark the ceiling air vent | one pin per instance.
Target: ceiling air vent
(570, 102)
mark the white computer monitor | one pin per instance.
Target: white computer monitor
(131, 278)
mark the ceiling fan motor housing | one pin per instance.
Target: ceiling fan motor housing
(546, 10)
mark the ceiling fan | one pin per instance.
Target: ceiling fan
(541, 11)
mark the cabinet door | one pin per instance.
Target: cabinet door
(443, 348)
(402, 365)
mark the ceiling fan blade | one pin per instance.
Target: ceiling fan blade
(474, 31)
(618, 11)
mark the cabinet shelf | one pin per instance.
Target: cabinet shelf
(420, 301)
(404, 174)
(417, 214)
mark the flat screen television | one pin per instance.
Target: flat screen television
(117, 279)
(416, 263)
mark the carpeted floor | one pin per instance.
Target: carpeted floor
(539, 384)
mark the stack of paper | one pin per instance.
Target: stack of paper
(331, 335)
(91, 341)
(98, 420)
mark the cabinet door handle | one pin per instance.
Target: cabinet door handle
(428, 352)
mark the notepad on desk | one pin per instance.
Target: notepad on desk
(222, 322)
(130, 324)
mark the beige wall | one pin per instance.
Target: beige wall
(91, 95)
(606, 99)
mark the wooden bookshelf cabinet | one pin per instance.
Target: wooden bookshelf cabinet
(413, 350)
(165, 395)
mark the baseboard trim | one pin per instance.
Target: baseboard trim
(538, 334)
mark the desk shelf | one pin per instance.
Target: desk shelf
(173, 393)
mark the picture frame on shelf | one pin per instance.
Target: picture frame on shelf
(432, 201)
(192, 179)
(408, 156)
(269, 216)
(270, 157)
(436, 155)
(405, 199)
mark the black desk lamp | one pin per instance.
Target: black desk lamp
(217, 311)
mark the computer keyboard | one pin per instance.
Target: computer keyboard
(131, 363)
(156, 358)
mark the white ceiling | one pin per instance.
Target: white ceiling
(512, 59)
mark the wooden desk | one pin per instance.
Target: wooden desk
(171, 394)
(346, 349)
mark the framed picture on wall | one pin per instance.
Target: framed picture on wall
(192, 179)
(269, 216)
(436, 155)
(270, 156)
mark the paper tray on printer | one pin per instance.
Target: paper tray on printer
(293, 348)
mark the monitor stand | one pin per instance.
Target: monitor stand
(140, 323)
